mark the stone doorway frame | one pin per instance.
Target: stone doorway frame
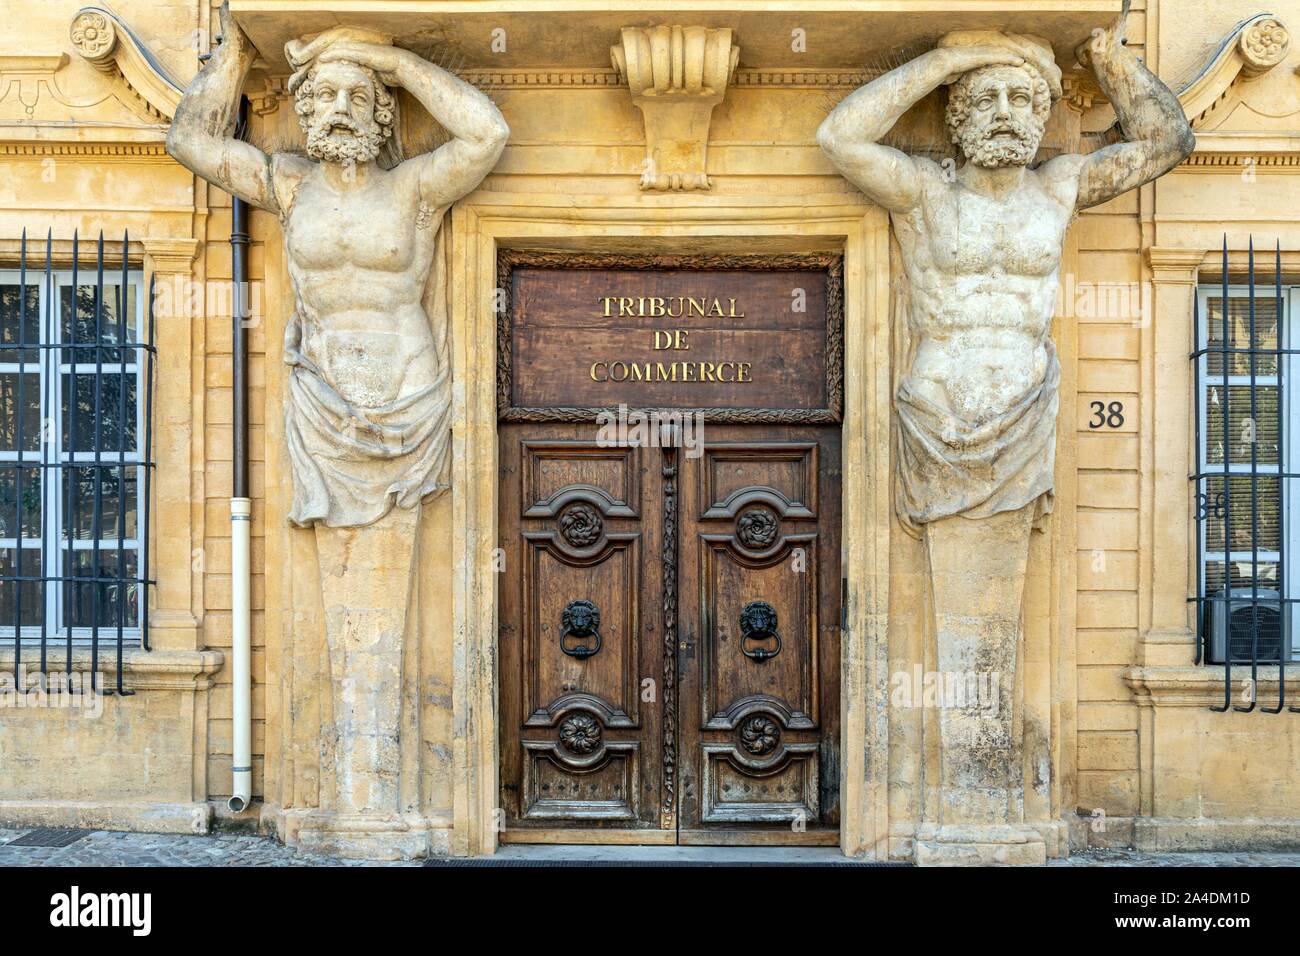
(489, 221)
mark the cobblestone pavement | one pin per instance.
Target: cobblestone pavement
(103, 848)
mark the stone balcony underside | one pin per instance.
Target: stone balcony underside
(577, 34)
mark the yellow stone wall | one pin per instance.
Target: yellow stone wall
(1116, 717)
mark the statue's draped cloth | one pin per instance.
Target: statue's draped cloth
(948, 467)
(353, 464)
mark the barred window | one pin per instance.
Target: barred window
(1244, 368)
(75, 354)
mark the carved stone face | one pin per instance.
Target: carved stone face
(345, 111)
(997, 114)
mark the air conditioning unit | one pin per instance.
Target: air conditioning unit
(1228, 624)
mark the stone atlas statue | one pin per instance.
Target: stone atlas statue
(977, 400)
(367, 414)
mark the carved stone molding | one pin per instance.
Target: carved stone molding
(1255, 46)
(677, 75)
(108, 44)
(833, 79)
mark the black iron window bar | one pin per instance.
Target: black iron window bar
(71, 335)
(1234, 622)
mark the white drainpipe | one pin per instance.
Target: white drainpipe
(241, 519)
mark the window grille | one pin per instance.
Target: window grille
(76, 369)
(1244, 480)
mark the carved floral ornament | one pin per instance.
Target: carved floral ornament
(756, 528)
(581, 525)
(1263, 45)
(759, 735)
(94, 35)
(580, 734)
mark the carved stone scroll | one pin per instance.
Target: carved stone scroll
(677, 75)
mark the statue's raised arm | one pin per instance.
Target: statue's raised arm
(1156, 132)
(202, 138)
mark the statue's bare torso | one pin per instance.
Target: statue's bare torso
(983, 276)
(360, 295)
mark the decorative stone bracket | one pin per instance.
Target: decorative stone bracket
(676, 75)
(1255, 46)
(108, 44)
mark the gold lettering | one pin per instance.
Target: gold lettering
(596, 365)
(694, 305)
(615, 368)
(656, 306)
(664, 375)
(625, 307)
(681, 345)
(743, 375)
(607, 299)
(733, 312)
(678, 313)
(667, 339)
(722, 366)
(706, 372)
(688, 371)
(637, 372)
(716, 308)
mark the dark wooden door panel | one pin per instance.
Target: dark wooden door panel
(578, 630)
(759, 626)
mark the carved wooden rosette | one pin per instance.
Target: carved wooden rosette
(677, 75)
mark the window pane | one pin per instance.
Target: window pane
(11, 317)
(10, 510)
(1267, 511)
(33, 607)
(1239, 332)
(1262, 430)
(84, 419)
(1266, 580)
(9, 411)
(79, 598)
(79, 500)
(84, 332)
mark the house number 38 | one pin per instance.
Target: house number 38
(1106, 416)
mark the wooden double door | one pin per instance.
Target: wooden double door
(669, 635)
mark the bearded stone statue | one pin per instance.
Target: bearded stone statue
(368, 404)
(977, 400)
(368, 416)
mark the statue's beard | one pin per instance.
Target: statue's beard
(327, 143)
(981, 148)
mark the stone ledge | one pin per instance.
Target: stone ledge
(1203, 686)
(97, 815)
(143, 670)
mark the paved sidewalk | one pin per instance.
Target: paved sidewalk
(104, 848)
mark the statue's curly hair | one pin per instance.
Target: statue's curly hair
(385, 103)
(958, 109)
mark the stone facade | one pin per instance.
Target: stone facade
(1119, 746)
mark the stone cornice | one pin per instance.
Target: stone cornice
(107, 43)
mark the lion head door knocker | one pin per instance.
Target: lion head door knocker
(758, 623)
(580, 619)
